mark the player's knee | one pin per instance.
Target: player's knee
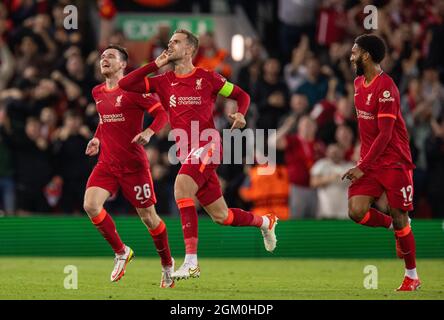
(357, 211)
(181, 191)
(184, 187)
(148, 216)
(91, 208)
(400, 220)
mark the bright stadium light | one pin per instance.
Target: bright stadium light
(237, 47)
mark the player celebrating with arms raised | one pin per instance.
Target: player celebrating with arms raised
(189, 94)
(123, 162)
(385, 163)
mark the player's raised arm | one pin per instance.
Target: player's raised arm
(137, 81)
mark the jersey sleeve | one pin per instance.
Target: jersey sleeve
(152, 84)
(146, 101)
(388, 101)
(220, 84)
(318, 168)
(94, 92)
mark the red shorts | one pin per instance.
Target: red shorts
(204, 174)
(397, 183)
(137, 187)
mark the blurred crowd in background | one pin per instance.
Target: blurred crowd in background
(297, 72)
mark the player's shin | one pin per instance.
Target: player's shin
(240, 218)
(188, 215)
(106, 226)
(408, 249)
(160, 238)
(375, 218)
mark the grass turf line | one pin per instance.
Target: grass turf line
(274, 279)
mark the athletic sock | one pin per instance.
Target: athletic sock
(188, 216)
(241, 218)
(191, 259)
(160, 238)
(408, 247)
(412, 274)
(375, 218)
(106, 226)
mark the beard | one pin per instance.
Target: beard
(359, 67)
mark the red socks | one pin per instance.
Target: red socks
(188, 215)
(160, 238)
(407, 245)
(240, 218)
(105, 224)
(375, 218)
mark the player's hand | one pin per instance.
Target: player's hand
(353, 174)
(144, 137)
(238, 120)
(163, 59)
(92, 148)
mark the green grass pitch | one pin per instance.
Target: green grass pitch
(286, 279)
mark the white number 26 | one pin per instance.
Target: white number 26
(143, 192)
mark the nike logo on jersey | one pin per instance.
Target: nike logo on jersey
(174, 84)
(98, 102)
(144, 201)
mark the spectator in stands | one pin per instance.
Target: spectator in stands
(296, 19)
(33, 166)
(331, 22)
(7, 64)
(209, 56)
(267, 193)
(250, 72)
(315, 86)
(158, 42)
(326, 177)
(295, 71)
(301, 151)
(73, 165)
(271, 95)
(7, 192)
(345, 139)
(435, 161)
(48, 120)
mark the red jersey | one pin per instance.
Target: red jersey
(121, 119)
(300, 156)
(380, 98)
(188, 98)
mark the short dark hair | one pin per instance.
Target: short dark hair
(192, 39)
(374, 45)
(123, 52)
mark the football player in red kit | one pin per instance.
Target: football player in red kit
(123, 162)
(188, 93)
(385, 164)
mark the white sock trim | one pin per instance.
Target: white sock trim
(412, 274)
(191, 258)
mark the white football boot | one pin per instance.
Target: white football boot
(269, 233)
(120, 263)
(187, 270)
(166, 281)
